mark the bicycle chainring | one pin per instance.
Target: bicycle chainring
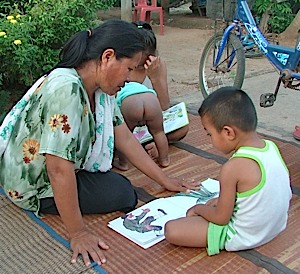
(289, 82)
(295, 86)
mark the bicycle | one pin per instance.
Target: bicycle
(251, 50)
(222, 61)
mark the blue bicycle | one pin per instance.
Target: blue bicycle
(222, 61)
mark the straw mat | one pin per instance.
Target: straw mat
(192, 158)
(27, 245)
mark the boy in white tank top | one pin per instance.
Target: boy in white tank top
(255, 190)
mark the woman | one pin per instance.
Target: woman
(57, 143)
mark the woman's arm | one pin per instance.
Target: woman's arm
(63, 181)
(135, 153)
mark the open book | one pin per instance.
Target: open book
(145, 225)
(173, 118)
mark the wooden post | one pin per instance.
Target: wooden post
(126, 10)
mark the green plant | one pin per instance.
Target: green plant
(281, 14)
(33, 32)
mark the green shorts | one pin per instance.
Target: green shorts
(216, 236)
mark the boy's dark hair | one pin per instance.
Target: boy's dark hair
(116, 34)
(230, 106)
(149, 37)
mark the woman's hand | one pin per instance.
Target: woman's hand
(63, 181)
(89, 246)
(181, 185)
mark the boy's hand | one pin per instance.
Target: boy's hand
(191, 212)
(212, 202)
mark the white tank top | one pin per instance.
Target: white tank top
(261, 213)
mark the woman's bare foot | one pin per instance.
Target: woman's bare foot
(164, 162)
(120, 165)
(152, 150)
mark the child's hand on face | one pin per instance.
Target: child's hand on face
(152, 66)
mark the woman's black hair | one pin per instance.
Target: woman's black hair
(149, 37)
(119, 35)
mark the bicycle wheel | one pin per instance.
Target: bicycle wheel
(230, 71)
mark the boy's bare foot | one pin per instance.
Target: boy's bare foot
(152, 150)
(120, 165)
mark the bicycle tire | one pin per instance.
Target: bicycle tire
(211, 78)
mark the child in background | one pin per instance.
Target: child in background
(255, 190)
(152, 73)
(140, 106)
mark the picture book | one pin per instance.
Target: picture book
(145, 225)
(173, 118)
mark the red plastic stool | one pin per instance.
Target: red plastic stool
(144, 9)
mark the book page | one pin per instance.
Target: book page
(211, 184)
(173, 118)
(145, 225)
(210, 189)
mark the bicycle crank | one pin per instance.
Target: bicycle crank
(268, 99)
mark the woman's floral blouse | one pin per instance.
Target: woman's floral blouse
(57, 120)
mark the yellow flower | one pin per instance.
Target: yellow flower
(9, 17)
(13, 21)
(2, 33)
(30, 150)
(55, 121)
(13, 194)
(18, 16)
(17, 42)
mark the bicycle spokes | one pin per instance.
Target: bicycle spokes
(228, 71)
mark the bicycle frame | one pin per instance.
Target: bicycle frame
(285, 59)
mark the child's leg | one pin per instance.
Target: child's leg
(187, 231)
(152, 150)
(132, 110)
(153, 153)
(164, 162)
(178, 134)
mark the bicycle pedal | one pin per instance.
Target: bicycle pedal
(267, 100)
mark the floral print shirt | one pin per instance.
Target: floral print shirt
(56, 120)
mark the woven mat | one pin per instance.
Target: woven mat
(193, 158)
(28, 245)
